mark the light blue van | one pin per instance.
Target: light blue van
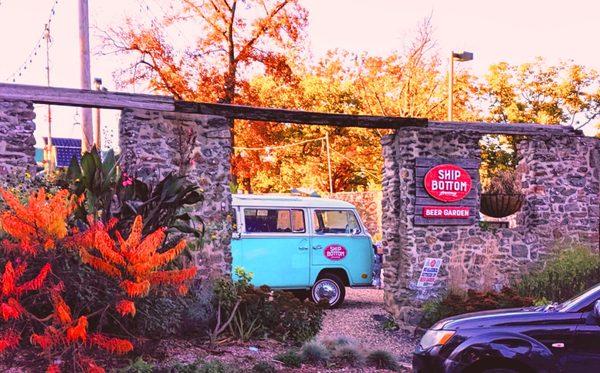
(311, 246)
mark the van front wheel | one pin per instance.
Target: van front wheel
(330, 288)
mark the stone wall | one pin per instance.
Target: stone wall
(368, 205)
(17, 153)
(562, 186)
(155, 143)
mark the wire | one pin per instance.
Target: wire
(354, 163)
(279, 146)
(36, 47)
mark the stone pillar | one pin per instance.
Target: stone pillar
(197, 146)
(407, 245)
(17, 152)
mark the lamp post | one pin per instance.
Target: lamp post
(455, 56)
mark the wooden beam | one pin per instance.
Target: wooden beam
(297, 116)
(504, 128)
(85, 98)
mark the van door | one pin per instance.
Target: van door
(339, 241)
(275, 247)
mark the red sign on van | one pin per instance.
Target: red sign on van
(448, 183)
(335, 252)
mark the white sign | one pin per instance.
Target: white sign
(429, 273)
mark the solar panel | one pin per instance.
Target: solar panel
(65, 150)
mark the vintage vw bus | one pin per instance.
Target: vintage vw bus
(310, 246)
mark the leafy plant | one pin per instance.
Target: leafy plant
(349, 356)
(139, 365)
(290, 359)
(504, 182)
(315, 353)
(454, 303)
(215, 367)
(263, 367)
(162, 204)
(382, 360)
(109, 193)
(253, 312)
(45, 260)
(571, 271)
(97, 180)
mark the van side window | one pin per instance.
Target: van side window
(335, 221)
(274, 221)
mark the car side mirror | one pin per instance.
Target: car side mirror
(236, 235)
(596, 311)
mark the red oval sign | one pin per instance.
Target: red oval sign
(335, 252)
(447, 183)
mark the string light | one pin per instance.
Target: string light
(36, 48)
(269, 156)
(270, 147)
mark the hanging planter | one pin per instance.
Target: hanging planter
(501, 205)
(502, 195)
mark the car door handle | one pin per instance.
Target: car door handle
(303, 248)
(317, 247)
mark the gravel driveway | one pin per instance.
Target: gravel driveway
(360, 318)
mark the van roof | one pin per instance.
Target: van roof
(279, 200)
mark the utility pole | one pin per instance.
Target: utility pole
(87, 138)
(329, 162)
(49, 148)
(97, 125)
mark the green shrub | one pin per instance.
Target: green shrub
(315, 353)
(215, 366)
(259, 312)
(349, 356)
(138, 366)
(572, 271)
(290, 359)
(473, 301)
(382, 360)
(263, 367)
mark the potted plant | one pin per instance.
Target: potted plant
(502, 195)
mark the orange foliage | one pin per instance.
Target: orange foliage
(9, 339)
(40, 226)
(113, 345)
(126, 307)
(10, 308)
(79, 331)
(135, 260)
(37, 224)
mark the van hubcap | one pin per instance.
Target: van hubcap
(326, 289)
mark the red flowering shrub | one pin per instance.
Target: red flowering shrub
(34, 277)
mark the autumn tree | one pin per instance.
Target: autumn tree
(236, 39)
(410, 83)
(535, 92)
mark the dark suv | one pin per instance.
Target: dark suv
(556, 338)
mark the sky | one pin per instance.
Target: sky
(513, 31)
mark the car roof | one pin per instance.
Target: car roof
(282, 200)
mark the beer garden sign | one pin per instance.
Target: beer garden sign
(446, 192)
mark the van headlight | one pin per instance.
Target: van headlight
(436, 338)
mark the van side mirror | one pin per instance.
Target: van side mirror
(354, 231)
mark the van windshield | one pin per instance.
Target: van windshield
(335, 221)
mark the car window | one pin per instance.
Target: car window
(335, 221)
(274, 221)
